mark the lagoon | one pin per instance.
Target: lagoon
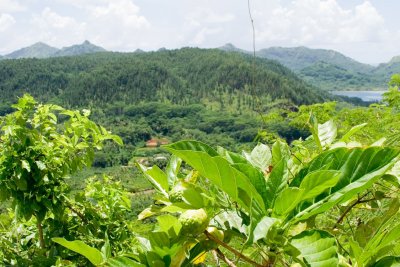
(369, 96)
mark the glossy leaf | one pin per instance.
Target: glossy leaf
(122, 261)
(280, 151)
(92, 254)
(327, 133)
(166, 222)
(318, 248)
(260, 157)
(359, 169)
(276, 182)
(352, 131)
(172, 170)
(389, 261)
(317, 182)
(156, 177)
(192, 197)
(218, 170)
(287, 200)
(262, 228)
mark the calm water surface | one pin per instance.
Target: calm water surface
(371, 96)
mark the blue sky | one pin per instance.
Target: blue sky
(365, 30)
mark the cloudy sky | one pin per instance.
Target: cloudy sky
(365, 30)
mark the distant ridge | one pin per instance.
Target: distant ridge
(297, 58)
(80, 49)
(328, 69)
(42, 50)
(390, 68)
(37, 50)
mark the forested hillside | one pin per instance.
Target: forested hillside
(160, 94)
(184, 76)
(328, 69)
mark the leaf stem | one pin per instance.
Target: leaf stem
(348, 209)
(224, 258)
(234, 251)
(40, 231)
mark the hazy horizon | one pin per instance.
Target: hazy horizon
(363, 30)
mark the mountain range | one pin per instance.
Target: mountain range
(42, 50)
(328, 69)
(325, 69)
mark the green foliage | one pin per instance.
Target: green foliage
(392, 97)
(326, 200)
(186, 76)
(318, 248)
(37, 154)
(271, 197)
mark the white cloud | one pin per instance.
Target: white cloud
(202, 35)
(117, 25)
(201, 23)
(58, 30)
(316, 22)
(6, 21)
(52, 19)
(11, 6)
(122, 11)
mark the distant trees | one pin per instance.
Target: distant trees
(185, 76)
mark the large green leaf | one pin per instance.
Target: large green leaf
(327, 133)
(156, 177)
(287, 200)
(280, 151)
(231, 156)
(219, 171)
(317, 182)
(276, 182)
(352, 131)
(122, 261)
(359, 168)
(92, 254)
(262, 228)
(172, 170)
(368, 231)
(318, 248)
(389, 261)
(256, 178)
(167, 222)
(259, 157)
(312, 185)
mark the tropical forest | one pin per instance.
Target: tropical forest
(196, 156)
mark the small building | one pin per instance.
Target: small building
(156, 142)
(152, 143)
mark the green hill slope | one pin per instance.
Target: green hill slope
(298, 58)
(328, 69)
(333, 77)
(388, 69)
(37, 50)
(185, 76)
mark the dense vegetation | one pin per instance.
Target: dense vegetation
(328, 69)
(326, 195)
(184, 76)
(325, 201)
(160, 94)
